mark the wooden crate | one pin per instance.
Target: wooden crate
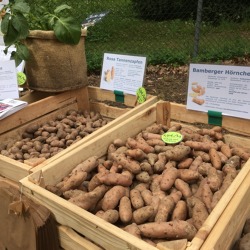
(94, 228)
(45, 106)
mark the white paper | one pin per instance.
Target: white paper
(221, 88)
(10, 106)
(6, 57)
(8, 80)
(122, 72)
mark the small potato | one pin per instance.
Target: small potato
(125, 210)
(180, 211)
(143, 177)
(142, 214)
(183, 187)
(112, 197)
(110, 215)
(136, 199)
(32, 128)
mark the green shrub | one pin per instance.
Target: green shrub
(214, 11)
(164, 9)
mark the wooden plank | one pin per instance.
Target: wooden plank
(230, 224)
(232, 124)
(70, 240)
(163, 115)
(104, 95)
(82, 97)
(12, 169)
(242, 141)
(108, 111)
(34, 96)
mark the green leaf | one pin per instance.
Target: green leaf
(20, 23)
(51, 21)
(14, 56)
(61, 8)
(66, 31)
(22, 51)
(21, 6)
(11, 36)
(5, 23)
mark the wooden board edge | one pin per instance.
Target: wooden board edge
(236, 125)
(71, 240)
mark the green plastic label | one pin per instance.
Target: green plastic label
(172, 137)
(141, 95)
(21, 78)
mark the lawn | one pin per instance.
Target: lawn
(165, 42)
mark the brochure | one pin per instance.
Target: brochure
(10, 106)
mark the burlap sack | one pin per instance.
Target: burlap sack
(24, 225)
(54, 66)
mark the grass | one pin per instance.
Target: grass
(166, 42)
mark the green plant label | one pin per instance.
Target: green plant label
(141, 95)
(21, 78)
(172, 137)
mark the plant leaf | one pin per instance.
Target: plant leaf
(61, 8)
(20, 23)
(22, 51)
(66, 31)
(11, 36)
(21, 6)
(5, 23)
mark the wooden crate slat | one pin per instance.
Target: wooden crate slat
(13, 173)
(232, 124)
(70, 240)
(104, 95)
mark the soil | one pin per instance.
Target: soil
(170, 83)
(167, 82)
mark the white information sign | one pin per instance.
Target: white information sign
(122, 72)
(8, 80)
(221, 88)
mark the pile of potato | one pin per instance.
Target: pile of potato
(244, 242)
(44, 141)
(152, 190)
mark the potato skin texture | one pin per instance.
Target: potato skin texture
(176, 229)
(112, 197)
(125, 210)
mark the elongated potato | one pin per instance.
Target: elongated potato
(180, 211)
(136, 199)
(168, 178)
(125, 210)
(112, 197)
(141, 215)
(172, 230)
